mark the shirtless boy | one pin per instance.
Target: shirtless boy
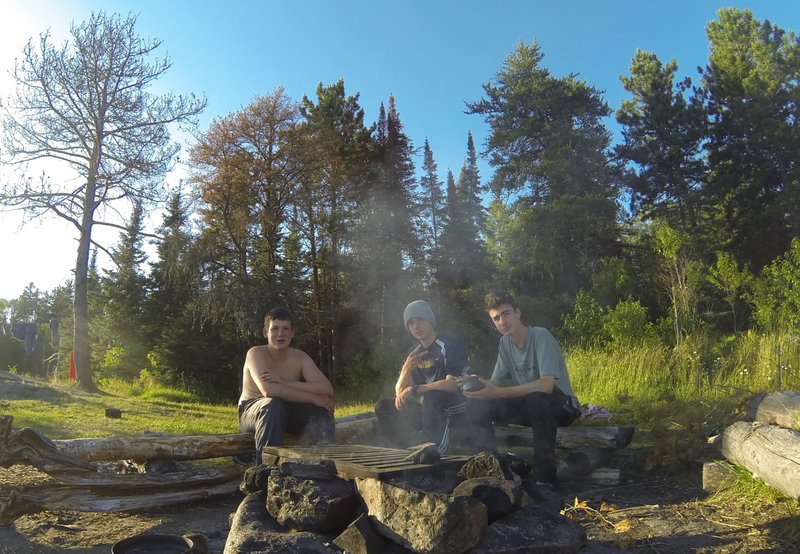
(283, 390)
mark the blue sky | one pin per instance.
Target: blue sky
(433, 56)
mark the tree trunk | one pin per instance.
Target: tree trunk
(778, 408)
(80, 343)
(769, 452)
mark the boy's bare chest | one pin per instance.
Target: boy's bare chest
(288, 369)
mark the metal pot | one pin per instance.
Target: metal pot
(153, 544)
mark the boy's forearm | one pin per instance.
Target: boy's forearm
(545, 385)
(315, 387)
(402, 382)
(446, 385)
(292, 393)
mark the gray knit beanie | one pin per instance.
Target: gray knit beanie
(420, 309)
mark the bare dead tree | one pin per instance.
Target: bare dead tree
(86, 105)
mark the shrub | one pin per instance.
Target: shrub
(584, 326)
(776, 292)
(627, 323)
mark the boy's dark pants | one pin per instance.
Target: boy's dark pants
(270, 418)
(543, 412)
(399, 425)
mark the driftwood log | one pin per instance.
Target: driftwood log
(115, 497)
(157, 447)
(348, 431)
(154, 446)
(771, 453)
(777, 408)
(26, 446)
(575, 436)
(81, 486)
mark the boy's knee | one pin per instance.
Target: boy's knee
(276, 407)
(384, 405)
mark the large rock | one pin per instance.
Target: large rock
(486, 464)
(321, 506)
(361, 538)
(254, 531)
(255, 479)
(302, 469)
(532, 530)
(501, 496)
(423, 522)
(543, 496)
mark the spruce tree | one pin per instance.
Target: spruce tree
(432, 211)
(124, 289)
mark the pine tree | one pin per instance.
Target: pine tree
(124, 290)
(663, 132)
(550, 151)
(432, 211)
(388, 252)
(463, 235)
(336, 151)
(753, 99)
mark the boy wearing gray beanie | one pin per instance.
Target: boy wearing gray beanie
(425, 399)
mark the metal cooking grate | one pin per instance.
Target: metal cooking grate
(363, 461)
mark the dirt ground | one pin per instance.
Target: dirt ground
(206, 522)
(647, 513)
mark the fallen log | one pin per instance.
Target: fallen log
(771, 453)
(83, 488)
(27, 446)
(157, 481)
(20, 501)
(777, 408)
(351, 430)
(157, 446)
(571, 437)
(357, 429)
(604, 476)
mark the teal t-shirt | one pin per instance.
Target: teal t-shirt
(538, 357)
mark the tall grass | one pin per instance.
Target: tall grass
(629, 377)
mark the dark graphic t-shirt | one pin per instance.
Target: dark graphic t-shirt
(445, 356)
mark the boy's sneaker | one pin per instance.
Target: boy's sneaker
(245, 459)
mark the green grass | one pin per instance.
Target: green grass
(71, 413)
(746, 495)
(657, 388)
